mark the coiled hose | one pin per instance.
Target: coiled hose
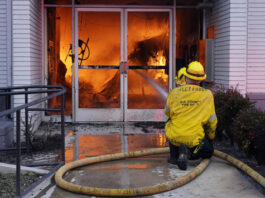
(147, 190)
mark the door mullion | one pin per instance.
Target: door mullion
(125, 36)
(75, 63)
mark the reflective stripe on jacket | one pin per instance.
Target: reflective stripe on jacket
(191, 114)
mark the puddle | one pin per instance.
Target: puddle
(86, 140)
(93, 145)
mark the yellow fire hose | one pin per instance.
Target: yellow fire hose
(147, 190)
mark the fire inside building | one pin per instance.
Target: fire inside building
(101, 50)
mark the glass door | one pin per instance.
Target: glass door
(122, 57)
(98, 84)
(149, 34)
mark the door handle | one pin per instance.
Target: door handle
(124, 67)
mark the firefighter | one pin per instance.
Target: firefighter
(191, 123)
(180, 78)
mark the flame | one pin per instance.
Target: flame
(159, 60)
(100, 88)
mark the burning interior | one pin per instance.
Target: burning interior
(100, 54)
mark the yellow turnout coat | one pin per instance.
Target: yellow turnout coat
(191, 114)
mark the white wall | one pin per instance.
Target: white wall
(238, 44)
(36, 42)
(5, 43)
(27, 49)
(229, 19)
(256, 47)
(219, 17)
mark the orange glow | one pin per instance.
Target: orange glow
(138, 166)
(159, 60)
(142, 141)
(70, 133)
(148, 45)
(68, 63)
(59, 38)
(69, 153)
(96, 145)
(161, 140)
(113, 167)
(100, 88)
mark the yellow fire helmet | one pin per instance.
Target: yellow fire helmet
(180, 78)
(195, 71)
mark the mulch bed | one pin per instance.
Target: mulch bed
(8, 183)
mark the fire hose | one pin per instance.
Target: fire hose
(147, 190)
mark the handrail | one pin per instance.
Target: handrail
(52, 91)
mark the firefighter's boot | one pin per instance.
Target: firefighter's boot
(183, 157)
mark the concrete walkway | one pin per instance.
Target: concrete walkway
(219, 180)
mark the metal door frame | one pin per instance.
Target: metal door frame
(122, 113)
(97, 114)
(147, 114)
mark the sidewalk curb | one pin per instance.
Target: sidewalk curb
(11, 168)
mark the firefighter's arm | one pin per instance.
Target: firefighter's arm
(167, 112)
(211, 127)
(212, 121)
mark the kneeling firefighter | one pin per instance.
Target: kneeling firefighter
(191, 123)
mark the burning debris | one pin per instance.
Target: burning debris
(109, 90)
(152, 51)
(99, 57)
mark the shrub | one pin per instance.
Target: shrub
(249, 132)
(259, 142)
(228, 103)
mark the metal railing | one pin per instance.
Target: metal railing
(48, 92)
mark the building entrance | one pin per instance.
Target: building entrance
(116, 49)
(103, 56)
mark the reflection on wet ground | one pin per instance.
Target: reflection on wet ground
(127, 173)
(93, 145)
(93, 140)
(86, 140)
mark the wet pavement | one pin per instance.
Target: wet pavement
(86, 140)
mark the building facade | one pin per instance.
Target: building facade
(108, 53)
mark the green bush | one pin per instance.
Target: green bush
(228, 103)
(249, 132)
(241, 122)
